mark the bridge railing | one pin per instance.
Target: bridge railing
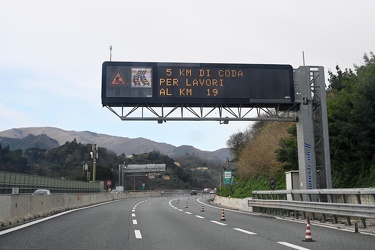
(347, 203)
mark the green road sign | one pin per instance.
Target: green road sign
(227, 177)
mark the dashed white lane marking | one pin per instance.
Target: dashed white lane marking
(133, 215)
(219, 223)
(135, 222)
(138, 234)
(238, 229)
(244, 231)
(293, 246)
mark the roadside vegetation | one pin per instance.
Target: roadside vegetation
(268, 149)
(67, 161)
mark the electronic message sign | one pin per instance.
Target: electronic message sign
(197, 84)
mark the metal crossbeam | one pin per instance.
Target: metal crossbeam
(220, 112)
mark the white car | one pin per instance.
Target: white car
(212, 192)
(42, 192)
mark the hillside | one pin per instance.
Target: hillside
(16, 139)
(30, 141)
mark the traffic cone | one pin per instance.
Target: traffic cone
(222, 216)
(202, 209)
(186, 205)
(178, 200)
(308, 237)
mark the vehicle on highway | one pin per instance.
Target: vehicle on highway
(41, 192)
(193, 192)
(114, 191)
(212, 192)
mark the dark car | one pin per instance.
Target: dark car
(193, 192)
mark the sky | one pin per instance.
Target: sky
(51, 53)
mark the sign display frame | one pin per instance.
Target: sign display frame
(127, 84)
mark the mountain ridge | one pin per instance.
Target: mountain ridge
(117, 144)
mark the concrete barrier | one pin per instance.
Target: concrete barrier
(16, 209)
(233, 203)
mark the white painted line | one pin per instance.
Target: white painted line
(219, 223)
(200, 217)
(180, 209)
(133, 210)
(243, 231)
(138, 234)
(135, 222)
(133, 215)
(48, 218)
(188, 213)
(293, 246)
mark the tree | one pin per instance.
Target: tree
(259, 154)
(287, 152)
(351, 117)
(236, 143)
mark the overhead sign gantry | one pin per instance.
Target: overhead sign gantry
(234, 90)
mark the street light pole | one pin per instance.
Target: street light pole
(94, 156)
(123, 167)
(119, 174)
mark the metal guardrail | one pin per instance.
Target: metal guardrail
(335, 202)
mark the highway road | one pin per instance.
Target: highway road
(178, 222)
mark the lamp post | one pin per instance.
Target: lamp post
(94, 156)
(122, 174)
(119, 174)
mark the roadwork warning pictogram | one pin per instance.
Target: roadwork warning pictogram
(118, 79)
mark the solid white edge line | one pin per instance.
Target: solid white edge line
(48, 218)
(243, 231)
(138, 234)
(293, 246)
(326, 226)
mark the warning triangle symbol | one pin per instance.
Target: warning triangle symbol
(118, 79)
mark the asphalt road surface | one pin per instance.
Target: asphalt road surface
(178, 222)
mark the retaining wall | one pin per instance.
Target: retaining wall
(233, 203)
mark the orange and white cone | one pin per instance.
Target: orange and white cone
(186, 205)
(308, 237)
(178, 200)
(222, 216)
(202, 209)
